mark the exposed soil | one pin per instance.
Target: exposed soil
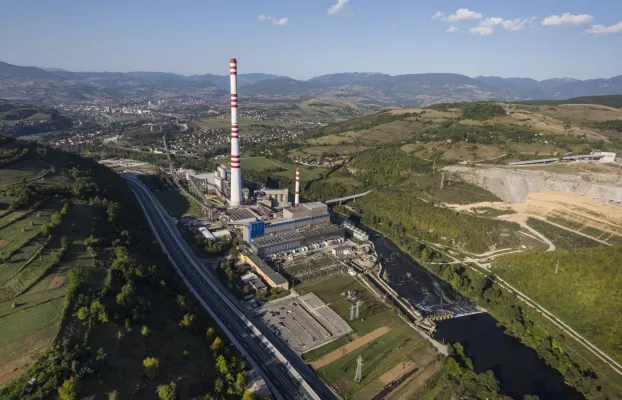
(409, 388)
(349, 348)
(397, 372)
(58, 281)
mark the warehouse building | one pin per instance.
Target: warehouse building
(302, 216)
(296, 239)
(259, 267)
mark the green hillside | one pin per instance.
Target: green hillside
(477, 131)
(86, 295)
(586, 292)
(24, 119)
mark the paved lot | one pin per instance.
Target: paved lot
(304, 322)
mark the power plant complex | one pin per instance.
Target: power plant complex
(270, 224)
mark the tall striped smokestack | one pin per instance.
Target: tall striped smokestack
(236, 178)
(297, 194)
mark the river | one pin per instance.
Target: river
(516, 366)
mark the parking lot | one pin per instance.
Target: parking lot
(304, 322)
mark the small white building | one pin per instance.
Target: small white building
(207, 234)
(606, 157)
(222, 234)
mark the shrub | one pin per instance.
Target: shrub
(152, 366)
(69, 389)
(167, 392)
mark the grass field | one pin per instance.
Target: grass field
(16, 234)
(382, 354)
(25, 169)
(34, 323)
(562, 238)
(585, 293)
(177, 204)
(263, 163)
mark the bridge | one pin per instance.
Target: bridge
(346, 198)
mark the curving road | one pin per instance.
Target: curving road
(281, 369)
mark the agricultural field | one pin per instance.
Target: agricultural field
(264, 164)
(32, 289)
(23, 170)
(317, 153)
(478, 132)
(460, 151)
(391, 350)
(17, 230)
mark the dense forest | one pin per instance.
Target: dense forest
(431, 223)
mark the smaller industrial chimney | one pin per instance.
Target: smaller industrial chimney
(297, 194)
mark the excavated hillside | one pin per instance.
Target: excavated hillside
(513, 185)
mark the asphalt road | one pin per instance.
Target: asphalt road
(282, 369)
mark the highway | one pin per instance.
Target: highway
(276, 366)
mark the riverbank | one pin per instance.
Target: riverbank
(519, 323)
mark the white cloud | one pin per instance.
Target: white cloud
(451, 29)
(482, 30)
(462, 14)
(605, 30)
(340, 6)
(274, 21)
(567, 19)
(438, 14)
(516, 24)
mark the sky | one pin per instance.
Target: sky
(304, 38)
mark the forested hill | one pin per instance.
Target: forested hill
(101, 298)
(25, 119)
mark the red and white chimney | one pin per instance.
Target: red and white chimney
(297, 194)
(236, 178)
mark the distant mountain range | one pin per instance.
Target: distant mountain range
(34, 83)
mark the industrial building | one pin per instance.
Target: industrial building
(294, 240)
(274, 198)
(356, 233)
(305, 215)
(241, 216)
(601, 157)
(253, 280)
(259, 267)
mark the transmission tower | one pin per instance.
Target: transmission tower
(359, 369)
(442, 179)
